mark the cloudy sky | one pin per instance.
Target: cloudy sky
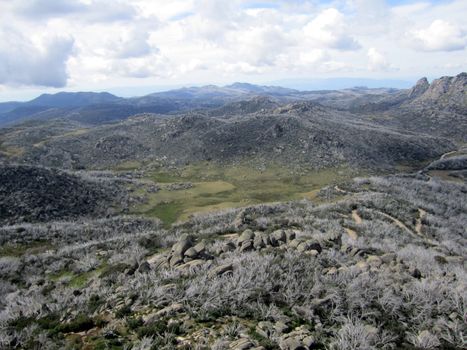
(51, 45)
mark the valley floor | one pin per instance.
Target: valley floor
(208, 187)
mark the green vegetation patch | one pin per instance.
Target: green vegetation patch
(167, 212)
(13, 249)
(9, 151)
(77, 280)
(217, 187)
(128, 165)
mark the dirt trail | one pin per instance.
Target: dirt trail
(397, 222)
(418, 226)
(358, 220)
(338, 189)
(352, 234)
(448, 154)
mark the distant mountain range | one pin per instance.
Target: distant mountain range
(97, 108)
(342, 83)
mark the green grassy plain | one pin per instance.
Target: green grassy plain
(217, 187)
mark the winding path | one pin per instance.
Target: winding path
(448, 154)
(418, 226)
(357, 218)
(352, 234)
(398, 223)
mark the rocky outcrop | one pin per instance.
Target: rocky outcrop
(448, 91)
(420, 88)
(186, 251)
(299, 339)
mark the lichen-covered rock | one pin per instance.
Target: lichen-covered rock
(247, 235)
(299, 339)
(278, 237)
(241, 344)
(247, 245)
(220, 270)
(184, 243)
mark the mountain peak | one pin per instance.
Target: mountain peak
(420, 87)
(244, 86)
(74, 99)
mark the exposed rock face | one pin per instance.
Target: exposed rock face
(432, 109)
(448, 91)
(419, 88)
(29, 194)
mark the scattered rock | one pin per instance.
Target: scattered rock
(176, 259)
(191, 264)
(185, 251)
(200, 248)
(290, 235)
(144, 267)
(182, 245)
(191, 253)
(265, 329)
(247, 235)
(309, 245)
(228, 247)
(157, 261)
(388, 257)
(294, 243)
(362, 266)
(220, 270)
(299, 339)
(167, 311)
(281, 327)
(416, 273)
(374, 261)
(277, 238)
(455, 259)
(312, 252)
(241, 344)
(246, 246)
(260, 240)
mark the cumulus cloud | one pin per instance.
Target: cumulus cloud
(440, 36)
(92, 10)
(313, 57)
(330, 30)
(43, 8)
(165, 10)
(154, 65)
(132, 43)
(210, 40)
(260, 46)
(23, 62)
(240, 68)
(377, 61)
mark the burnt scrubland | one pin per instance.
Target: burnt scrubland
(241, 217)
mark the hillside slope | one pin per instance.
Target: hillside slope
(307, 135)
(32, 194)
(438, 109)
